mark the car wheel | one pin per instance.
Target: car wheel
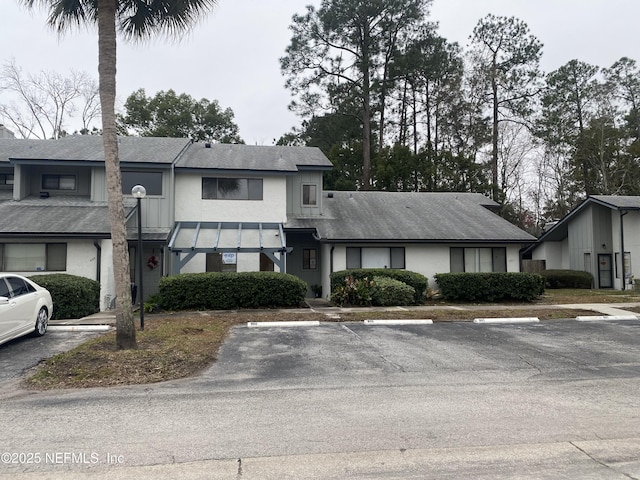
(42, 321)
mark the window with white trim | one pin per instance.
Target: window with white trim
(151, 181)
(478, 259)
(58, 182)
(376, 257)
(309, 195)
(6, 178)
(214, 188)
(309, 258)
(33, 257)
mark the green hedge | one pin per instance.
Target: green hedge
(416, 280)
(490, 287)
(567, 279)
(224, 291)
(73, 296)
(389, 291)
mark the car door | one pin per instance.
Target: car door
(24, 299)
(9, 316)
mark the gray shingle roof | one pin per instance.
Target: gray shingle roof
(89, 148)
(619, 201)
(33, 219)
(252, 157)
(417, 217)
(10, 147)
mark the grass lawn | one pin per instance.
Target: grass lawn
(178, 345)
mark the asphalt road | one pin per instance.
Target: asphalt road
(558, 399)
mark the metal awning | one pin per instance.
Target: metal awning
(228, 237)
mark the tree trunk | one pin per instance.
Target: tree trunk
(125, 329)
(366, 111)
(495, 189)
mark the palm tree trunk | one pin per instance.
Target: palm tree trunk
(125, 329)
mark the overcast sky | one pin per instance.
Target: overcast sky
(233, 55)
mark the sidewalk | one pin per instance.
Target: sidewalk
(323, 306)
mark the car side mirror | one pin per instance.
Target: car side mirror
(4, 300)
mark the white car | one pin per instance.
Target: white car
(25, 307)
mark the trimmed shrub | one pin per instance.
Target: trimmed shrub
(388, 292)
(73, 296)
(224, 291)
(354, 291)
(490, 287)
(416, 280)
(567, 279)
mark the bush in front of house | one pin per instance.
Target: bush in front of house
(490, 287)
(353, 291)
(225, 291)
(416, 280)
(389, 292)
(73, 296)
(567, 279)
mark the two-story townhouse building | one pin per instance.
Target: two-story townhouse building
(218, 207)
(55, 214)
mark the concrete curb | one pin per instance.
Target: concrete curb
(400, 321)
(79, 328)
(507, 320)
(305, 323)
(590, 318)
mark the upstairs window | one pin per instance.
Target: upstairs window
(214, 188)
(6, 179)
(58, 182)
(309, 195)
(151, 181)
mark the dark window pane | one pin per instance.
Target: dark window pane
(4, 289)
(309, 195)
(397, 257)
(456, 259)
(232, 188)
(151, 181)
(18, 286)
(499, 259)
(209, 188)
(56, 257)
(353, 257)
(255, 189)
(50, 182)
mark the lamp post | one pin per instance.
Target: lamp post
(139, 192)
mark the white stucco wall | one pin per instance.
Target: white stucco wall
(190, 206)
(556, 254)
(426, 259)
(82, 260)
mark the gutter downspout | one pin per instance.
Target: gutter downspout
(98, 259)
(624, 274)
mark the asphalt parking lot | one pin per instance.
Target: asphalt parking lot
(21, 354)
(555, 399)
(559, 349)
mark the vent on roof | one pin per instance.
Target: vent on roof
(207, 145)
(330, 195)
(44, 194)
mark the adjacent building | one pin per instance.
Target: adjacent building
(592, 238)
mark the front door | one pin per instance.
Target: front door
(605, 271)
